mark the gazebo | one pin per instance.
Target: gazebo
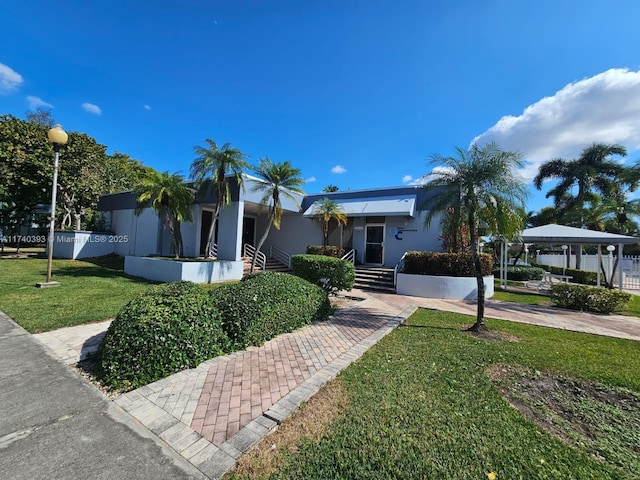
(563, 235)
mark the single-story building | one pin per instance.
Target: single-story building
(382, 225)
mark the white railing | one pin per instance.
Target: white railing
(213, 251)
(261, 258)
(350, 256)
(399, 266)
(280, 255)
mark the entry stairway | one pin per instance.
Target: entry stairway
(375, 278)
(271, 265)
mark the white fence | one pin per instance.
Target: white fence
(589, 263)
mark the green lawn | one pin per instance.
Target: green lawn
(89, 292)
(421, 405)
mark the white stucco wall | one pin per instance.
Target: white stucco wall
(74, 245)
(142, 232)
(164, 270)
(296, 232)
(454, 288)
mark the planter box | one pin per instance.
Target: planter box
(164, 270)
(431, 286)
(83, 244)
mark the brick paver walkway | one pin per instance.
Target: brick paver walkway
(215, 412)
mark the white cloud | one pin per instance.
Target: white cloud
(10, 80)
(91, 108)
(146, 107)
(310, 179)
(37, 102)
(604, 108)
(407, 179)
(339, 169)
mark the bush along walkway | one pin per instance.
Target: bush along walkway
(212, 414)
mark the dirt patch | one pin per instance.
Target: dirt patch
(601, 420)
(309, 422)
(86, 369)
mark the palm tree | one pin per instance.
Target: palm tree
(275, 180)
(330, 188)
(481, 182)
(210, 169)
(325, 210)
(592, 172)
(170, 198)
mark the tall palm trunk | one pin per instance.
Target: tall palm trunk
(478, 267)
(262, 240)
(212, 229)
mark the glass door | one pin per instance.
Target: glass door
(374, 242)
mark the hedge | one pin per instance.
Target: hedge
(591, 299)
(265, 304)
(521, 273)
(166, 329)
(327, 250)
(332, 274)
(445, 264)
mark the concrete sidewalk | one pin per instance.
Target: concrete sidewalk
(210, 415)
(55, 425)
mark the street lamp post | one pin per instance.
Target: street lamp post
(564, 259)
(58, 137)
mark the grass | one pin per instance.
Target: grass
(633, 308)
(421, 404)
(89, 291)
(523, 298)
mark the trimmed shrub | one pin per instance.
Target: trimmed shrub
(521, 273)
(327, 250)
(164, 330)
(445, 264)
(266, 304)
(591, 299)
(332, 274)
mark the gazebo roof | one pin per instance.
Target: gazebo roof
(557, 234)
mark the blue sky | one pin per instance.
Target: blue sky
(356, 93)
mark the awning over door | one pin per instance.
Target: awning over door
(399, 205)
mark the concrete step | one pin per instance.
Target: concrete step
(375, 279)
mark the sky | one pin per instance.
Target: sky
(358, 94)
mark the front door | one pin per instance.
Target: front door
(374, 242)
(249, 231)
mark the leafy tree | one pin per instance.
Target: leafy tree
(210, 169)
(170, 197)
(26, 171)
(484, 186)
(40, 116)
(275, 180)
(85, 173)
(326, 210)
(330, 188)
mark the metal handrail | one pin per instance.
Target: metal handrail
(261, 258)
(280, 255)
(350, 256)
(399, 266)
(213, 250)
